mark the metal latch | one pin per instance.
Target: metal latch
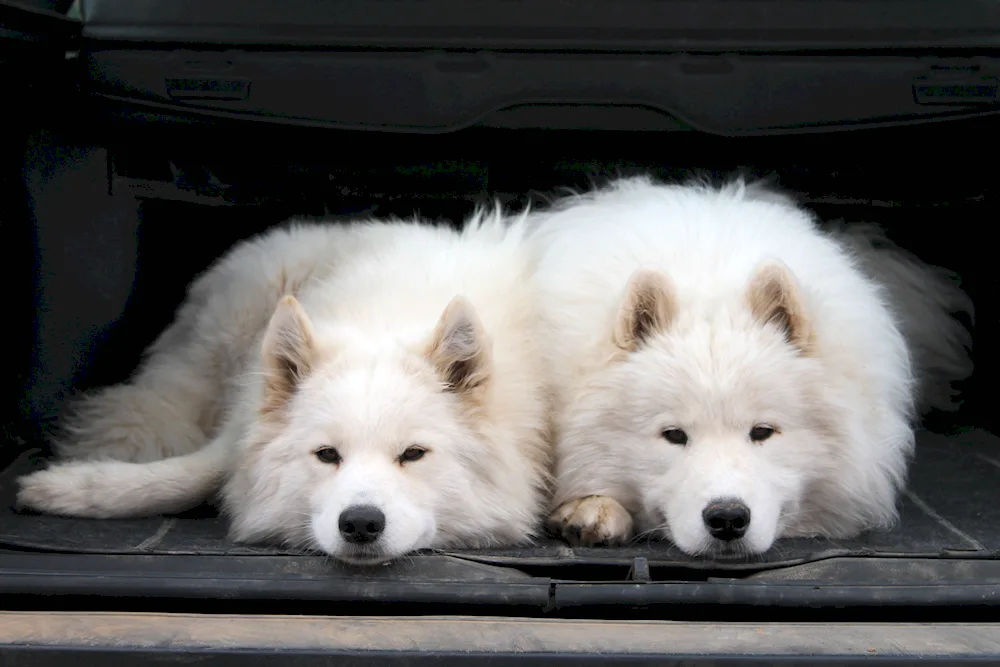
(639, 572)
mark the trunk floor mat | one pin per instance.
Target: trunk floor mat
(951, 508)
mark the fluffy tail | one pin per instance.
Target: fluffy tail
(123, 490)
(924, 299)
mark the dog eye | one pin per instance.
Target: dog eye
(761, 432)
(412, 454)
(675, 436)
(328, 455)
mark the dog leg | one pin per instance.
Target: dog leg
(592, 521)
(167, 409)
(132, 422)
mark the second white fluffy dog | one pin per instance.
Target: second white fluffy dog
(727, 372)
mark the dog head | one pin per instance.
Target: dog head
(716, 416)
(366, 449)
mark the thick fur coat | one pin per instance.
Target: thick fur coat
(363, 390)
(726, 371)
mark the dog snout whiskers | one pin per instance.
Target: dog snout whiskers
(727, 519)
(361, 524)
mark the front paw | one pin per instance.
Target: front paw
(592, 521)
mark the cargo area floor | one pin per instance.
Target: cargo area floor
(949, 509)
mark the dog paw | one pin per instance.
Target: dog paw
(592, 521)
(59, 490)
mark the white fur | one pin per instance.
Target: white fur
(843, 404)
(379, 309)
(922, 297)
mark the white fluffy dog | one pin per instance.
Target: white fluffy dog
(726, 372)
(363, 390)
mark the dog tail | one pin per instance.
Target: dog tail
(122, 490)
(925, 300)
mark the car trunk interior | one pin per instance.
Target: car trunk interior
(105, 224)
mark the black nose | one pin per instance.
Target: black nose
(362, 523)
(727, 519)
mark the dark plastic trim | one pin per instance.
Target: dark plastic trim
(449, 580)
(595, 25)
(785, 594)
(439, 92)
(428, 580)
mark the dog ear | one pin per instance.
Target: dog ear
(288, 350)
(774, 299)
(460, 348)
(648, 307)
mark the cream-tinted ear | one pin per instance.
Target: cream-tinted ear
(460, 348)
(288, 350)
(773, 297)
(649, 306)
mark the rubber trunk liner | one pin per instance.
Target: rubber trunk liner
(949, 509)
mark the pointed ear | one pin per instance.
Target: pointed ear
(459, 348)
(288, 350)
(774, 299)
(649, 306)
